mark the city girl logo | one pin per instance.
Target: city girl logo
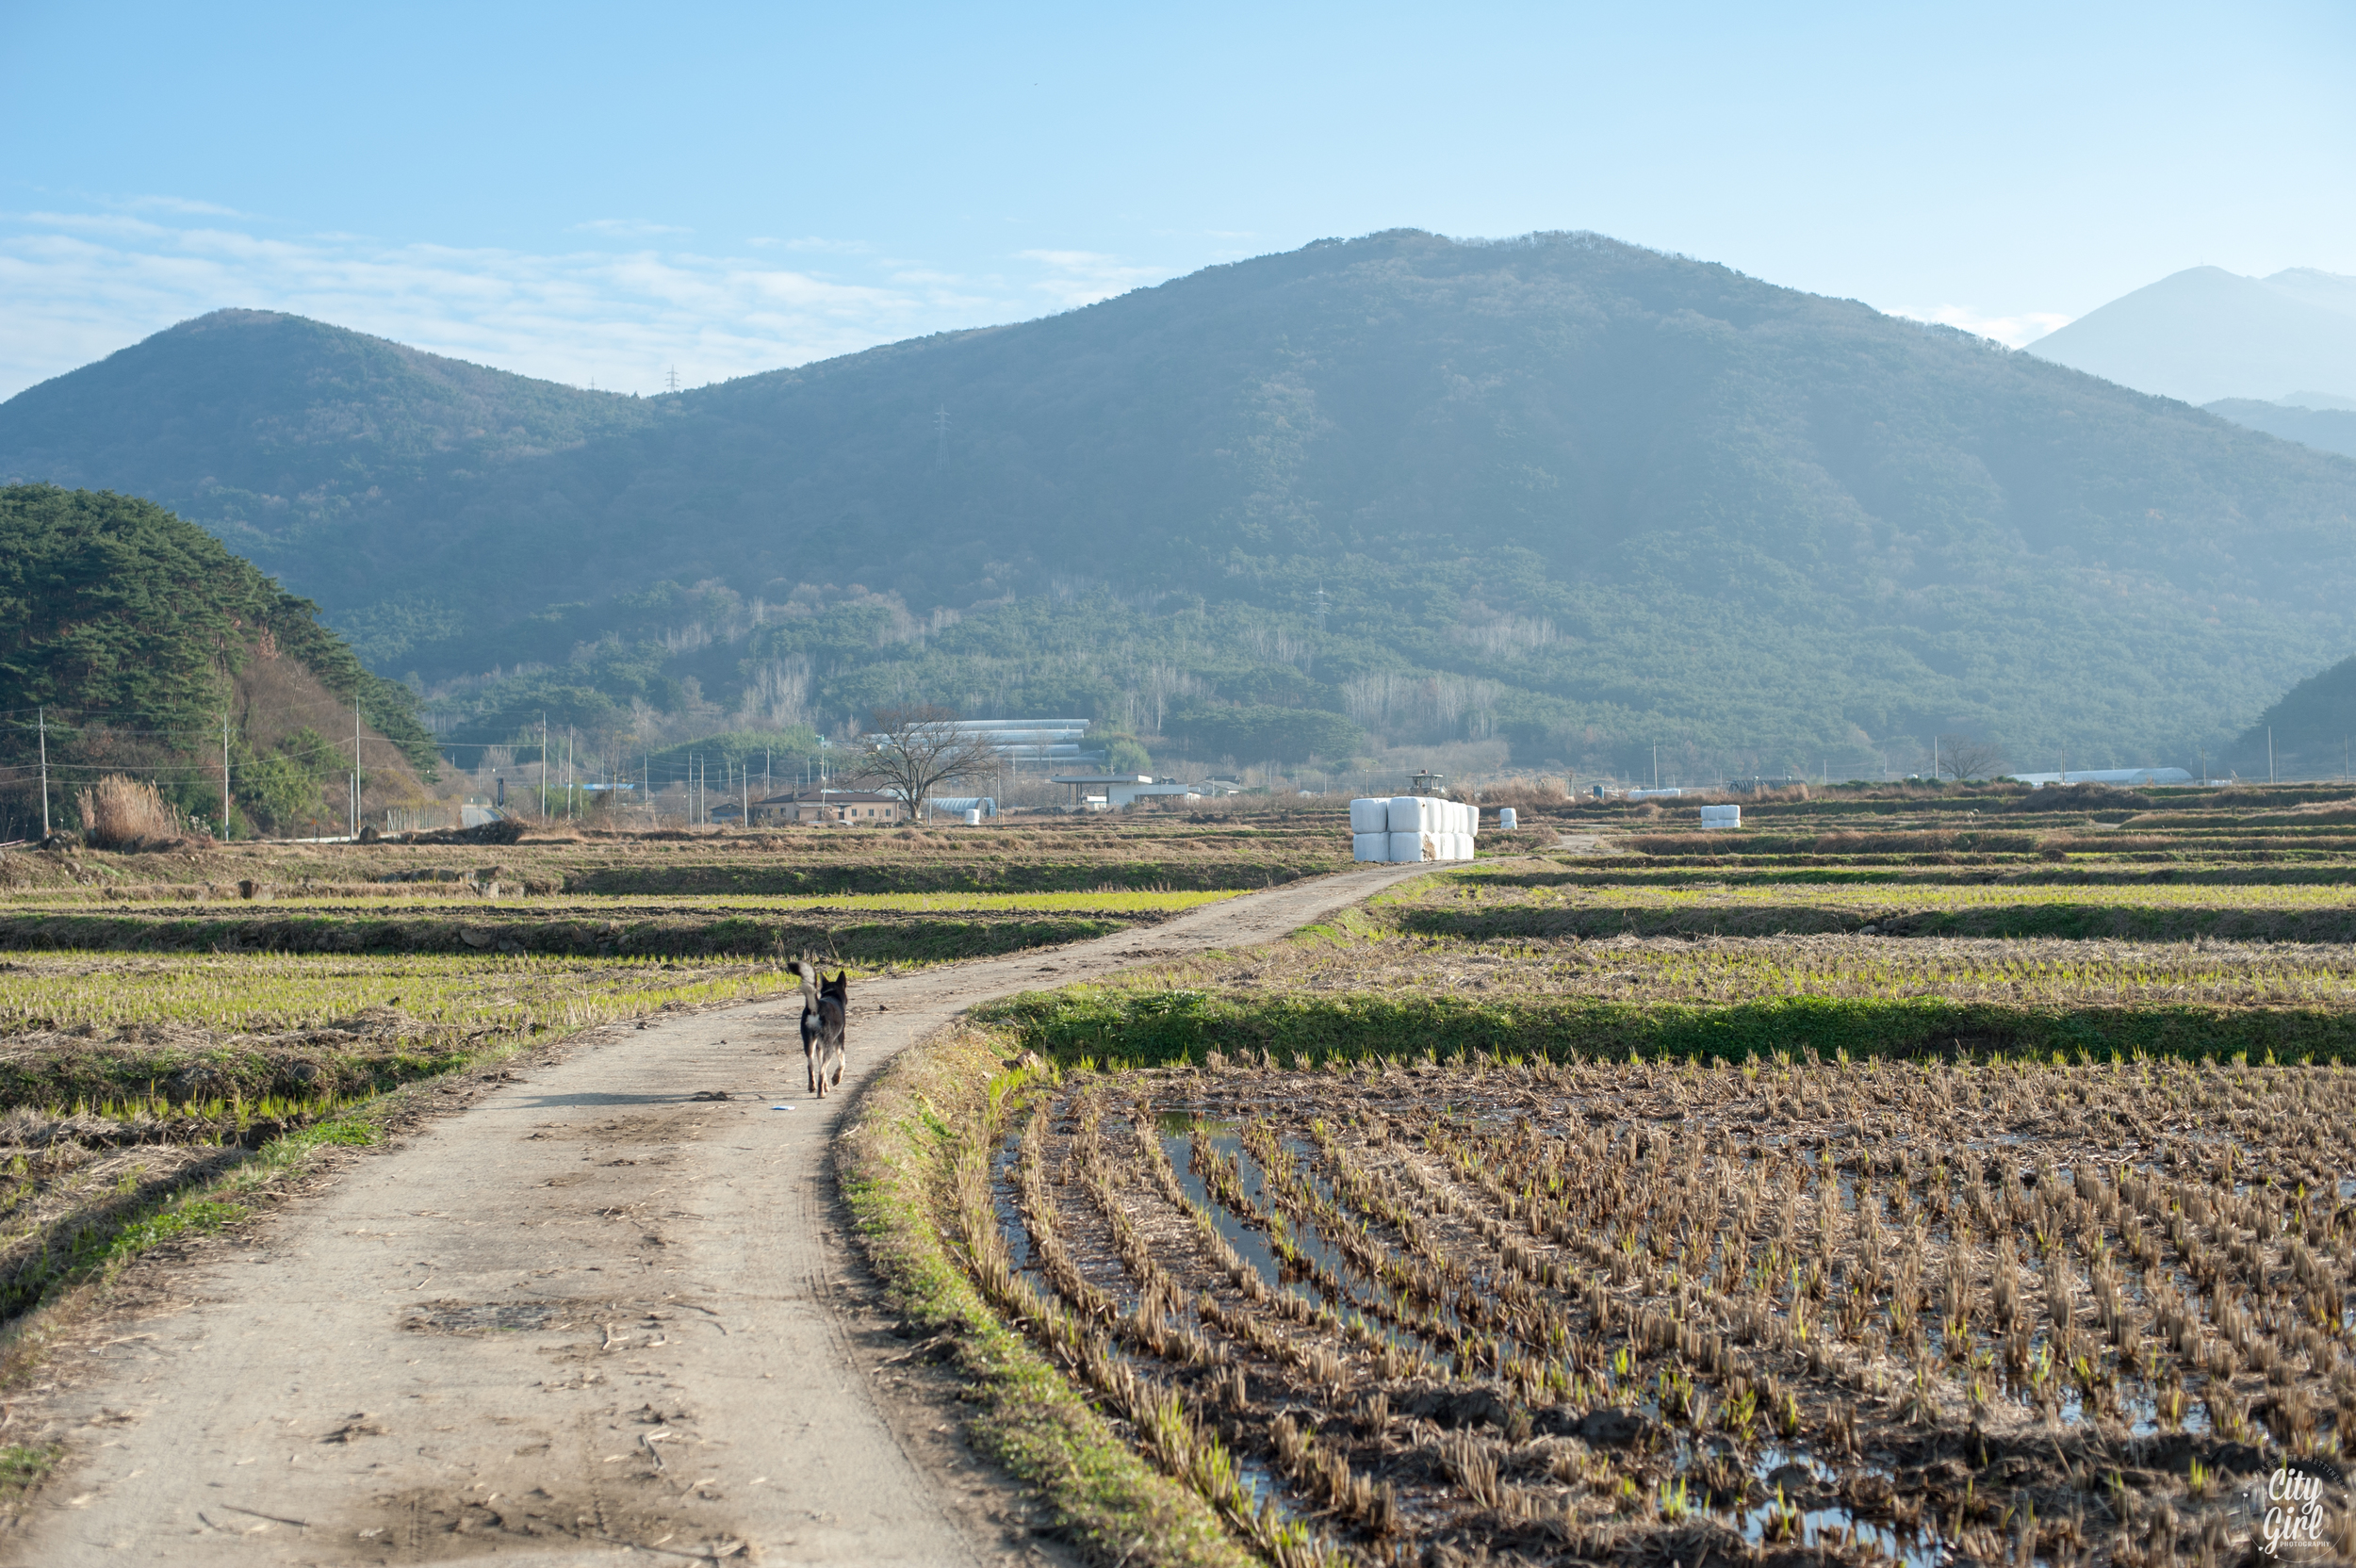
(2287, 1513)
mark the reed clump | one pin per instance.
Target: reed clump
(126, 813)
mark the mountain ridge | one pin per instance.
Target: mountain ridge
(1605, 497)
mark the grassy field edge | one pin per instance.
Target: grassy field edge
(896, 1167)
(1148, 1027)
(906, 938)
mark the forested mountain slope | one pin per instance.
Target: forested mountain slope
(132, 641)
(1569, 490)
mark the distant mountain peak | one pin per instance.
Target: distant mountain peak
(2206, 333)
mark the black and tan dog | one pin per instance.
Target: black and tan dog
(825, 1017)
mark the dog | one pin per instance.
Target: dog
(826, 1016)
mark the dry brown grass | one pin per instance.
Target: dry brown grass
(1525, 794)
(122, 813)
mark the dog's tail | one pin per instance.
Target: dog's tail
(809, 984)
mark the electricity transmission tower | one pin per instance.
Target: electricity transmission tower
(671, 380)
(941, 429)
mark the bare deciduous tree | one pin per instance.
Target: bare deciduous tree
(1963, 756)
(914, 750)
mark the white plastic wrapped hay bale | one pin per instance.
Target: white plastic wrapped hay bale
(1414, 814)
(1370, 846)
(1408, 849)
(1460, 846)
(1370, 814)
(1714, 817)
(1506, 818)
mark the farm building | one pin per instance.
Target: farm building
(860, 807)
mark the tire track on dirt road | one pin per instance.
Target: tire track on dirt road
(590, 1318)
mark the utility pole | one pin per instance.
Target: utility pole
(355, 769)
(2269, 754)
(43, 718)
(224, 776)
(544, 767)
(569, 791)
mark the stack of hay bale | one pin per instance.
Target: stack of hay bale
(1411, 829)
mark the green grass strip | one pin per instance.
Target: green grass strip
(1141, 1028)
(2085, 919)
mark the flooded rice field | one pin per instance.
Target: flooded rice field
(1407, 1311)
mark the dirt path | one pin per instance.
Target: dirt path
(592, 1317)
(1589, 843)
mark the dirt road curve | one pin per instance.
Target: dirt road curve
(593, 1318)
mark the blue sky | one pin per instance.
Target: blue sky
(599, 193)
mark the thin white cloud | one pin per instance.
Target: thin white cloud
(82, 285)
(2012, 331)
(627, 228)
(1076, 278)
(92, 222)
(180, 204)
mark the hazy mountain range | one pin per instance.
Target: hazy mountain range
(1570, 492)
(2206, 334)
(2313, 418)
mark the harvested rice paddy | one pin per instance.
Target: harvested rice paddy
(471, 893)
(259, 993)
(1729, 969)
(1444, 1311)
(1880, 1185)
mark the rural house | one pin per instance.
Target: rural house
(859, 808)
